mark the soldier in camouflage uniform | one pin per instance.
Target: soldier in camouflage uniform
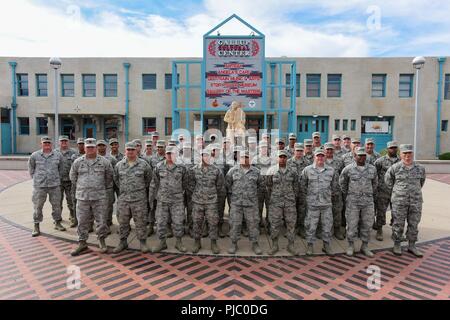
(291, 147)
(66, 184)
(155, 139)
(227, 156)
(359, 182)
(318, 184)
(309, 154)
(298, 162)
(93, 175)
(158, 156)
(205, 183)
(406, 178)
(101, 150)
(349, 157)
(244, 183)
(338, 165)
(114, 145)
(338, 150)
(346, 143)
(78, 153)
(132, 175)
(186, 160)
(46, 168)
(168, 185)
(148, 153)
(282, 188)
(372, 155)
(316, 140)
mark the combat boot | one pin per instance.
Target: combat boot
(274, 248)
(74, 222)
(233, 248)
(82, 246)
(151, 229)
(144, 248)
(350, 250)
(59, 226)
(179, 246)
(309, 250)
(169, 231)
(327, 249)
(214, 247)
(338, 233)
(379, 235)
(397, 250)
(102, 245)
(36, 231)
(161, 246)
(256, 249)
(291, 248)
(365, 250)
(197, 246)
(122, 246)
(222, 232)
(413, 249)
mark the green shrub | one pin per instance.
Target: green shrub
(445, 156)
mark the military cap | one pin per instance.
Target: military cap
(80, 141)
(292, 136)
(130, 145)
(172, 142)
(181, 136)
(214, 146)
(113, 140)
(279, 140)
(148, 142)
(345, 137)
(63, 138)
(316, 134)
(265, 134)
(356, 140)
(369, 140)
(299, 146)
(186, 145)
(138, 142)
(171, 149)
(252, 140)
(160, 143)
(103, 142)
(90, 142)
(198, 136)
(206, 151)
(335, 137)
(361, 151)
(282, 153)
(406, 148)
(226, 139)
(329, 145)
(155, 134)
(319, 151)
(392, 144)
(46, 139)
(237, 148)
(244, 153)
(307, 142)
(263, 144)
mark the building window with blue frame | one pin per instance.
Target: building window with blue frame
(41, 85)
(68, 85)
(168, 126)
(447, 87)
(337, 124)
(345, 124)
(353, 125)
(110, 85)
(168, 80)
(41, 125)
(405, 86)
(148, 126)
(22, 84)
(334, 85)
(297, 83)
(378, 85)
(444, 125)
(68, 128)
(149, 81)
(24, 126)
(313, 85)
(89, 85)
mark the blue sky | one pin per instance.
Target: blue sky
(305, 28)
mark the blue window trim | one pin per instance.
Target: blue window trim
(64, 82)
(20, 82)
(444, 126)
(38, 126)
(144, 132)
(310, 81)
(166, 81)
(84, 82)
(38, 84)
(377, 82)
(334, 82)
(447, 87)
(156, 80)
(22, 126)
(288, 83)
(410, 83)
(105, 76)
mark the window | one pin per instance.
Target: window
(89, 85)
(168, 80)
(168, 126)
(444, 125)
(447, 87)
(334, 85)
(378, 85)
(337, 124)
(42, 126)
(345, 125)
(41, 85)
(68, 85)
(313, 85)
(149, 81)
(405, 86)
(22, 84)
(297, 84)
(353, 125)
(148, 125)
(24, 126)
(110, 85)
(68, 128)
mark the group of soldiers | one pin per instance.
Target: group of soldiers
(311, 189)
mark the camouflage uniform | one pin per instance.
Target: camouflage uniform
(371, 158)
(205, 184)
(46, 171)
(133, 181)
(406, 184)
(282, 190)
(188, 163)
(337, 200)
(348, 158)
(92, 177)
(73, 189)
(243, 188)
(110, 191)
(167, 187)
(359, 187)
(156, 158)
(339, 153)
(119, 156)
(299, 165)
(263, 163)
(66, 184)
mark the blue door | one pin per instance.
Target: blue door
(307, 125)
(379, 129)
(90, 131)
(5, 124)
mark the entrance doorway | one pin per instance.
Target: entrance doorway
(308, 124)
(5, 124)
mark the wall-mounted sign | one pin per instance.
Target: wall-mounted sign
(377, 127)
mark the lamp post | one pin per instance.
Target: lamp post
(418, 63)
(55, 63)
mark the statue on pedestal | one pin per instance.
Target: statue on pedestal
(235, 117)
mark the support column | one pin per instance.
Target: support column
(441, 62)
(13, 66)
(127, 98)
